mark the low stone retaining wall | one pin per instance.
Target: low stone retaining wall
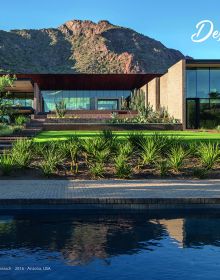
(113, 127)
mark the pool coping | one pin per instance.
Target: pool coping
(109, 194)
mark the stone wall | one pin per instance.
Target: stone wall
(152, 93)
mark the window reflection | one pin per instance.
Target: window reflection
(82, 100)
(202, 83)
(108, 104)
(191, 83)
(214, 83)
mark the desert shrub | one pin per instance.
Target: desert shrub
(20, 120)
(6, 163)
(22, 153)
(209, 154)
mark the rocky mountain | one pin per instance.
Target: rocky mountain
(83, 47)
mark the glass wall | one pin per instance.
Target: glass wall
(209, 113)
(82, 100)
(20, 100)
(191, 83)
(203, 98)
(203, 83)
(214, 82)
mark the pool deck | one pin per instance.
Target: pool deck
(110, 194)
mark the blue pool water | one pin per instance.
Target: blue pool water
(141, 246)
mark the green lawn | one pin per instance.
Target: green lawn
(187, 135)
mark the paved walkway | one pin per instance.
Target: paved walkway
(134, 189)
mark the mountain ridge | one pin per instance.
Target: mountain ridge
(79, 46)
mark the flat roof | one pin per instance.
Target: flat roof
(88, 81)
(203, 62)
(21, 85)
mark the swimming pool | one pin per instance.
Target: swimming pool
(127, 246)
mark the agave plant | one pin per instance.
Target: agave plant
(22, 153)
(209, 154)
(176, 157)
(6, 163)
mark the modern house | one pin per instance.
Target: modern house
(189, 91)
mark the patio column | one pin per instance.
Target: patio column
(37, 99)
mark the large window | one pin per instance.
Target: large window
(82, 99)
(214, 83)
(203, 83)
(21, 99)
(191, 83)
(203, 113)
(203, 97)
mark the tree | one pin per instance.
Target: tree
(5, 105)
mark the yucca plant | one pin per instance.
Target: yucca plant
(209, 154)
(176, 157)
(6, 163)
(22, 153)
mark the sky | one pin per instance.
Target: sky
(171, 22)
